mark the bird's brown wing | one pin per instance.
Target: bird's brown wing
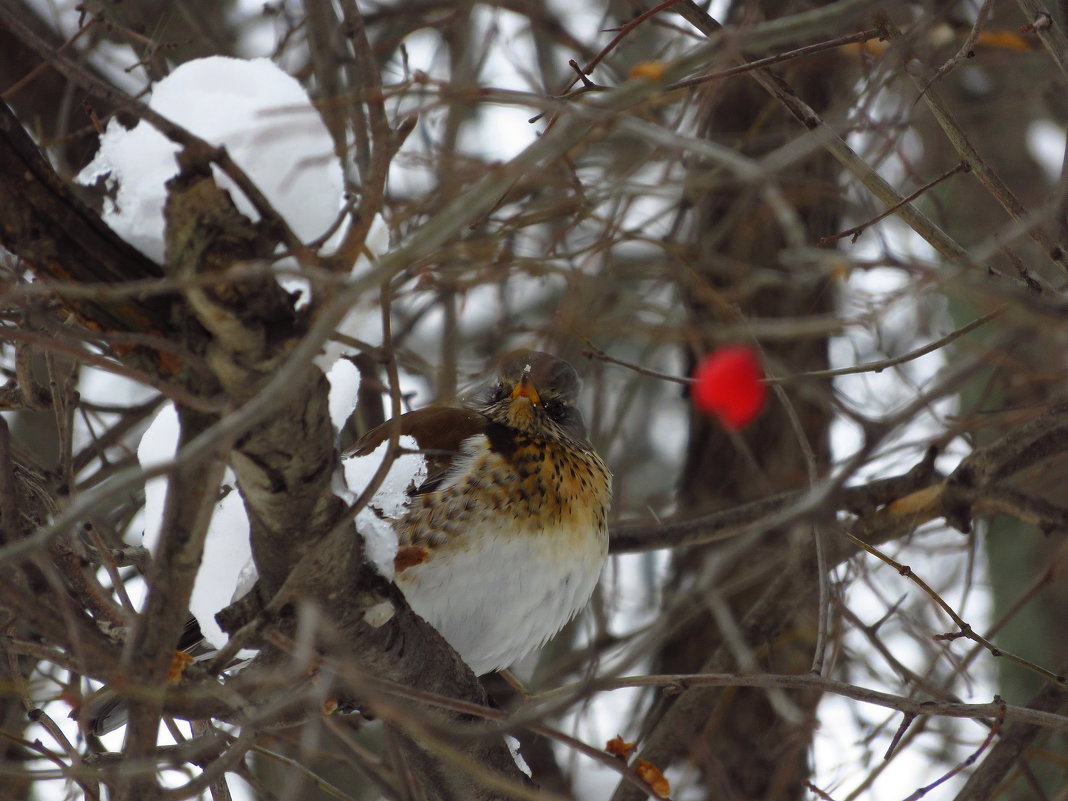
(439, 432)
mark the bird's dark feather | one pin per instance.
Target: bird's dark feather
(439, 431)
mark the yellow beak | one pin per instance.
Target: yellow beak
(526, 389)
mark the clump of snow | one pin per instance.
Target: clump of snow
(344, 378)
(259, 113)
(379, 614)
(227, 570)
(226, 549)
(390, 501)
(513, 748)
(268, 125)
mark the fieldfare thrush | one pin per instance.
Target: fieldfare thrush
(503, 543)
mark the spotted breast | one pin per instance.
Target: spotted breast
(504, 541)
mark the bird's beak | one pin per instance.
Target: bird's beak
(526, 389)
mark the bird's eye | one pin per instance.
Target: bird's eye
(497, 393)
(554, 408)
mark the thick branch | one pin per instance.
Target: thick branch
(149, 649)
(305, 550)
(65, 240)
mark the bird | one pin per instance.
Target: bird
(504, 541)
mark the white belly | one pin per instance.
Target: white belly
(495, 606)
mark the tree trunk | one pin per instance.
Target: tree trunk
(746, 749)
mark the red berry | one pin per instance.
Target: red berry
(730, 384)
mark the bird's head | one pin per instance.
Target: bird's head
(535, 393)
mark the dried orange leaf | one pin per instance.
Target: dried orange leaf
(619, 747)
(179, 662)
(1003, 40)
(839, 268)
(921, 504)
(872, 48)
(653, 70)
(651, 775)
(168, 362)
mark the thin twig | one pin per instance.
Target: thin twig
(883, 364)
(960, 141)
(778, 58)
(971, 759)
(679, 682)
(965, 52)
(964, 629)
(32, 75)
(857, 230)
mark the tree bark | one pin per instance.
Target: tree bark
(740, 744)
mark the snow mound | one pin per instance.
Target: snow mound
(265, 120)
(259, 113)
(227, 571)
(388, 503)
(226, 549)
